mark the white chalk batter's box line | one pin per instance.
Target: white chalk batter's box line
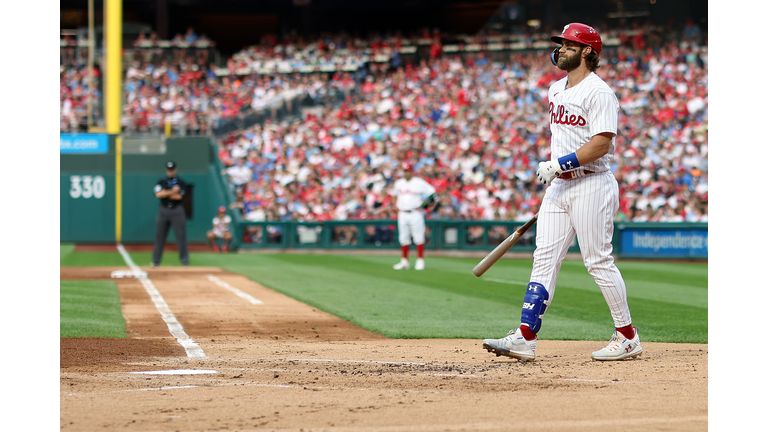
(191, 347)
(234, 290)
(187, 372)
(240, 369)
(199, 377)
(608, 381)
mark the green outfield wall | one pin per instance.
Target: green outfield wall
(637, 240)
(88, 192)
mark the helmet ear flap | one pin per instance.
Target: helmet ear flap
(554, 56)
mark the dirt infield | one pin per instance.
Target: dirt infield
(282, 365)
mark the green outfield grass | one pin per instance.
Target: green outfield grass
(90, 309)
(668, 300)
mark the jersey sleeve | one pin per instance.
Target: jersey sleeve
(603, 113)
(428, 188)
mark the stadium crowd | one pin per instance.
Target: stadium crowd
(476, 129)
(181, 91)
(74, 94)
(475, 125)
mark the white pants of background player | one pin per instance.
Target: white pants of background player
(583, 207)
(411, 225)
(219, 233)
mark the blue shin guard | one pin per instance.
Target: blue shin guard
(535, 304)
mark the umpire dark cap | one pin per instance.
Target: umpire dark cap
(170, 165)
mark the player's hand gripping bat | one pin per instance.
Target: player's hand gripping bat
(502, 248)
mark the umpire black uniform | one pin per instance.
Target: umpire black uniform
(170, 190)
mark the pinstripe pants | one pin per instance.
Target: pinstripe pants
(584, 207)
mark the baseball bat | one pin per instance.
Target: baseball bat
(502, 248)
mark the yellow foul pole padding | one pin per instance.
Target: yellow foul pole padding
(113, 33)
(118, 189)
(114, 69)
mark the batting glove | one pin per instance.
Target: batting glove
(547, 171)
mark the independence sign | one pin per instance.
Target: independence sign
(665, 243)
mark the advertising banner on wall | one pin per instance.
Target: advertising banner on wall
(684, 243)
(84, 143)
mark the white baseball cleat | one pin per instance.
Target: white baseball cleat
(402, 265)
(419, 264)
(513, 345)
(619, 348)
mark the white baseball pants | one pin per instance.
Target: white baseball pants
(583, 207)
(411, 225)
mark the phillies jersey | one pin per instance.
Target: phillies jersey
(221, 224)
(580, 112)
(411, 193)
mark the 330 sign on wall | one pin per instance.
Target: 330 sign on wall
(86, 186)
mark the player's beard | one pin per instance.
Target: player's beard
(569, 63)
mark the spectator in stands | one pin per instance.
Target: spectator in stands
(190, 36)
(141, 41)
(238, 205)
(238, 174)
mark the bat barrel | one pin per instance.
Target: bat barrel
(502, 248)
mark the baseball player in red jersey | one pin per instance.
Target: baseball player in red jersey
(582, 198)
(413, 195)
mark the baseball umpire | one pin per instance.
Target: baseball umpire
(170, 191)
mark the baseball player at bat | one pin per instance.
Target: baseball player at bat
(582, 198)
(413, 195)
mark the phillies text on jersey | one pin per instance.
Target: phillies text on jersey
(580, 112)
(411, 193)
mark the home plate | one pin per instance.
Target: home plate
(177, 372)
(128, 274)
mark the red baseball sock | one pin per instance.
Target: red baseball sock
(420, 250)
(627, 331)
(527, 333)
(405, 250)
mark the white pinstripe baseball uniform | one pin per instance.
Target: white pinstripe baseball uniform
(410, 218)
(586, 205)
(581, 201)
